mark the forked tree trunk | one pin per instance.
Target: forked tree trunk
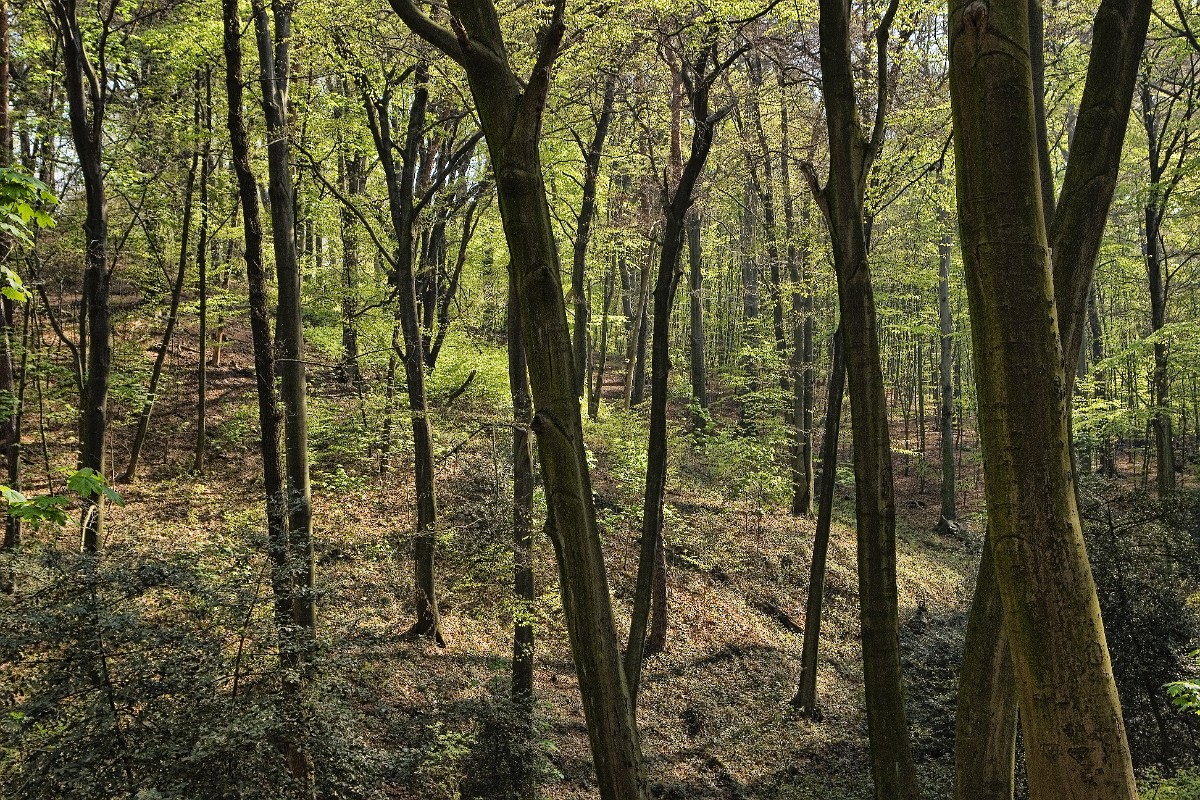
(1064, 681)
(1075, 232)
(510, 112)
(407, 343)
(299, 758)
(274, 65)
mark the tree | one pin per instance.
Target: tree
(1050, 614)
(851, 154)
(510, 112)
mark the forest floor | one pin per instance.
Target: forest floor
(714, 709)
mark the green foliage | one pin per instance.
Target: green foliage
(22, 200)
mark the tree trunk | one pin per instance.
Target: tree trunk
(523, 487)
(651, 573)
(583, 230)
(594, 400)
(802, 335)
(949, 512)
(292, 698)
(1075, 232)
(696, 306)
(160, 358)
(202, 281)
(353, 183)
(850, 157)
(409, 346)
(986, 722)
(86, 104)
(1051, 616)
(510, 112)
(274, 58)
(805, 699)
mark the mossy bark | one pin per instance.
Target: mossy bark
(1076, 746)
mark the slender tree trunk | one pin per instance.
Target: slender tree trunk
(274, 60)
(407, 342)
(523, 486)
(850, 158)
(1051, 616)
(292, 698)
(635, 347)
(650, 591)
(583, 229)
(696, 306)
(202, 280)
(86, 102)
(353, 182)
(160, 358)
(805, 699)
(949, 513)
(594, 402)
(802, 334)
(510, 112)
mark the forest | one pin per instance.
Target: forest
(517, 399)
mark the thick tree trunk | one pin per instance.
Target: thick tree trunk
(805, 699)
(1075, 232)
(1051, 616)
(510, 112)
(269, 417)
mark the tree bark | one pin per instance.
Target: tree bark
(587, 212)
(696, 320)
(202, 281)
(86, 104)
(805, 699)
(1064, 679)
(850, 158)
(650, 585)
(409, 345)
(510, 112)
(1075, 232)
(949, 513)
(299, 758)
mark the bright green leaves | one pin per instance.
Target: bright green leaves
(88, 483)
(22, 202)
